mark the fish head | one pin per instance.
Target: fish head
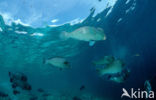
(98, 36)
(101, 33)
(67, 64)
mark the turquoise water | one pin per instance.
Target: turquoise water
(130, 37)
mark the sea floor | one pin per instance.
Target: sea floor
(56, 96)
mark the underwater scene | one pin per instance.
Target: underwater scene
(77, 49)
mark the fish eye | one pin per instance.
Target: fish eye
(66, 62)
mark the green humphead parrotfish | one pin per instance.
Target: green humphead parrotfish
(86, 33)
(58, 62)
(104, 61)
(110, 66)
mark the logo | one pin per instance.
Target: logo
(137, 94)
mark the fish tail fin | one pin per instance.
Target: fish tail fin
(64, 35)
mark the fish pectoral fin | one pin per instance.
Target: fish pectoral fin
(91, 43)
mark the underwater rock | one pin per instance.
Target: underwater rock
(40, 90)
(86, 33)
(19, 80)
(4, 96)
(34, 98)
(82, 88)
(76, 98)
(15, 92)
(17, 76)
(46, 94)
(43, 95)
(58, 62)
(26, 96)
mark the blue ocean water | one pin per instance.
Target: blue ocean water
(130, 30)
